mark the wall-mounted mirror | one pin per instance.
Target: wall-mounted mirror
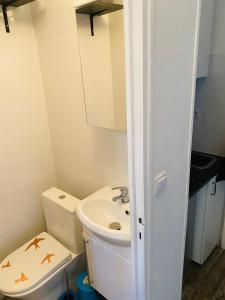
(100, 26)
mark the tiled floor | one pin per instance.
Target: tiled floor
(206, 282)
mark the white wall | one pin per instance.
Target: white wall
(26, 160)
(86, 158)
(209, 127)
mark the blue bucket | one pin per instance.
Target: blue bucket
(85, 291)
(72, 295)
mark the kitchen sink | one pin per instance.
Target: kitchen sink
(202, 161)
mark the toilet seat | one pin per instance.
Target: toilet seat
(31, 264)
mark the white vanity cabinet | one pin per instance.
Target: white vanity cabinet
(205, 216)
(205, 37)
(109, 271)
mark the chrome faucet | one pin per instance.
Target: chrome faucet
(124, 197)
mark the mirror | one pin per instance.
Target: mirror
(102, 54)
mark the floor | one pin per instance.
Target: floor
(206, 282)
(99, 296)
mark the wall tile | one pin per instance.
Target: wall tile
(26, 158)
(23, 216)
(86, 158)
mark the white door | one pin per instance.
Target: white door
(161, 56)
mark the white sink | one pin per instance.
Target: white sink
(98, 211)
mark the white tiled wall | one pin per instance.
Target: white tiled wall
(86, 158)
(26, 160)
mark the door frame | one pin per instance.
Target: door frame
(138, 18)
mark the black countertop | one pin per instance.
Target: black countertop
(199, 178)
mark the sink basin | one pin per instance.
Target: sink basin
(99, 214)
(202, 161)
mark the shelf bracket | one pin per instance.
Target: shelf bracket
(5, 16)
(92, 25)
(92, 19)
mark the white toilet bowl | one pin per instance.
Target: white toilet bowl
(35, 271)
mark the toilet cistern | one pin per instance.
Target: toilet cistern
(124, 197)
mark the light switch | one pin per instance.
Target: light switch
(160, 182)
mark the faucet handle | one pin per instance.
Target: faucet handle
(123, 189)
(124, 194)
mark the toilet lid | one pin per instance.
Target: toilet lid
(32, 263)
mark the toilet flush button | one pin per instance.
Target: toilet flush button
(160, 182)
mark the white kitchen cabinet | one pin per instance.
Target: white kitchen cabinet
(110, 273)
(205, 37)
(205, 216)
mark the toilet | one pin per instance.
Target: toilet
(35, 271)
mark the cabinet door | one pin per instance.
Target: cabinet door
(195, 225)
(205, 37)
(213, 218)
(110, 274)
(205, 217)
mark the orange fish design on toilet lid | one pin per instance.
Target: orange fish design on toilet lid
(29, 268)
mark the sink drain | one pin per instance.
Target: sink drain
(115, 226)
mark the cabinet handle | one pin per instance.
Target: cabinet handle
(214, 192)
(88, 270)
